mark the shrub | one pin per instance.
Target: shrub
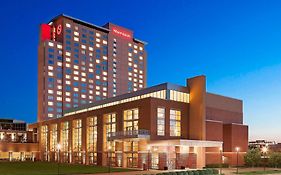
(217, 165)
(275, 160)
(252, 157)
(215, 171)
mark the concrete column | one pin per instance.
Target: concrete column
(22, 156)
(85, 157)
(32, 156)
(10, 156)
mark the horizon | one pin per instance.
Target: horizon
(238, 52)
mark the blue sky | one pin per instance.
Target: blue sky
(235, 43)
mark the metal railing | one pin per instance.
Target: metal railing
(142, 133)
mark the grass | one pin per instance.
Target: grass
(47, 168)
(262, 172)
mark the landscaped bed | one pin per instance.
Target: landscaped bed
(46, 168)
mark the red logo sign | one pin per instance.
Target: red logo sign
(121, 33)
(59, 29)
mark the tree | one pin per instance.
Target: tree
(252, 157)
(275, 159)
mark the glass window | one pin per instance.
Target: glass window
(44, 141)
(92, 138)
(131, 117)
(161, 121)
(64, 136)
(53, 137)
(175, 122)
(77, 135)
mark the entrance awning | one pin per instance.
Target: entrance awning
(185, 142)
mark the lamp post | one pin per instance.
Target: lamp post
(264, 151)
(237, 156)
(148, 153)
(109, 159)
(58, 148)
(221, 155)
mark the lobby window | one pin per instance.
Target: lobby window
(44, 140)
(161, 121)
(53, 137)
(131, 118)
(77, 135)
(64, 136)
(110, 125)
(92, 138)
(175, 122)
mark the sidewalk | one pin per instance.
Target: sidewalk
(128, 173)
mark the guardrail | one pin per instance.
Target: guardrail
(142, 133)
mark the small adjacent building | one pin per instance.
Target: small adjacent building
(166, 126)
(16, 143)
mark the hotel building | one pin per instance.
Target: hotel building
(164, 127)
(80, 63)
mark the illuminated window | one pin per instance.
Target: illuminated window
(179, 96)
(92, 139)
(76, 39)
(68, 25)
(175, 122)
(131, 118)
(64, 136)
(59, 46)
(51, 44)
(110, 123)
(76, 33)
(161, 121)
(53, 137)
(77, 135)
(44, 141)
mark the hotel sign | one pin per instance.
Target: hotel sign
(56, 31)
(122, 33)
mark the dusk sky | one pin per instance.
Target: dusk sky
(236, 44)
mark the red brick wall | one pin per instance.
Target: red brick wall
(214, 130)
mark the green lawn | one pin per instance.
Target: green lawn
(46, 168)
(262, 172)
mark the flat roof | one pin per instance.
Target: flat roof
(80, 22)
(163, 86)
(91, 25)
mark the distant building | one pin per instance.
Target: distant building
(260, 144)
(16, 143)
(275, 147)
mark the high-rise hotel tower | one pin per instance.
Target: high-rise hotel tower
(79, 63)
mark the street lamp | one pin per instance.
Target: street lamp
(237, 154)
(109, 159)
(264, 151)
(221, 155)
(58, 148)
(148, 153)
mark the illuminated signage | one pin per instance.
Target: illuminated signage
(56, 31)
(121, 33)
(54, 34)
(45, 32)
(59, 29)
